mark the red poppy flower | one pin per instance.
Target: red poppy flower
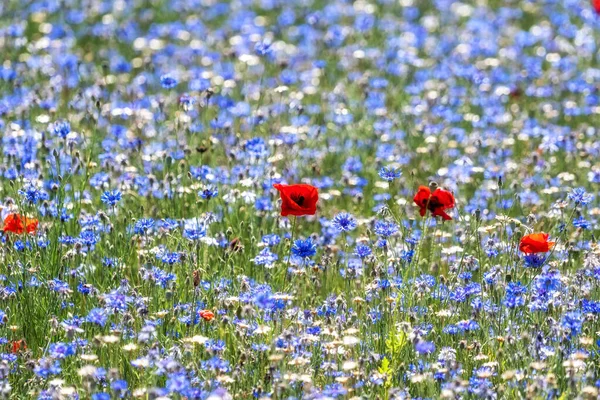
(298, 199)
(18, 345)
(18, 224)
(535, 243)
(206, 315)
(437, 202)
(596, 5)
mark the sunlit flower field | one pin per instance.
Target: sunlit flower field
(306, 199)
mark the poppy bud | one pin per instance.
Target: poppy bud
(235, 245)
(196, 278)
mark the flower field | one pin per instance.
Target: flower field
(268, 199)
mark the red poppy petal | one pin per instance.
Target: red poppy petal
(422, 196)
(444, 197)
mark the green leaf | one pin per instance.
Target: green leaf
(385, 366)
(396, 343)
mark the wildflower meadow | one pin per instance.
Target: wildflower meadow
(305, 199)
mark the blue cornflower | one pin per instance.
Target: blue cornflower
(61, 128)
(61, 350)
(572, 322)
(215, 346)
(423, 347)
(407, 255)
(580, 196)
(88, 238)
(450, 329)
(265, 257)
(159, 276)
(257, 147)
(216, 363)
(187, 101)
(167, 81)
(111, 197)
(170, 257)
(177, 382)
(194, 231)
(263, 204)
(549, 281)
(47, 367)
(263, 48)
(590, 306)
(271, 239)
(515, 289)
(383, 284)
(59, 286)
(466, 276)
(208, 192)
(344, 222)
(582, 223)
(143, 225)
(491, 251)
(459, 295)
(389, 173)
(514, 295)
(101, 396)
(119, 385)
(412, 241)
(168, 224)
(304, 248)
(20, 246)
(362, 251)
(385, 229)
(534, 260)
(85, 288)
(467, 325)
(97, 316)
(116, 301)
(32, 194)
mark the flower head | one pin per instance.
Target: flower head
(111, 197)
(389, 174)
(19, 224)
(263, 48)
(437, 202)
(424, 347)
(304, 248)
(362, 251)
(167, 81)
(580, 196)
(385, 228)
(61, 128)
(298, 199)
(18, 345)
(206, 315)
(208, 192)
(344, 222)
(535, 243)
